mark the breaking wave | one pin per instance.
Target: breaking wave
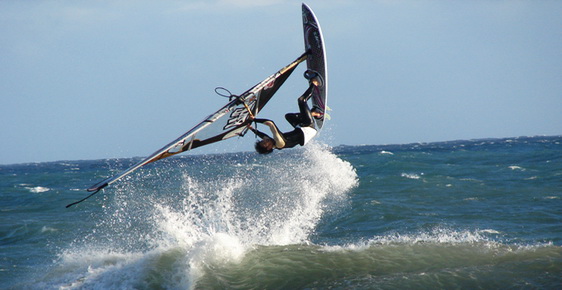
(171, 237)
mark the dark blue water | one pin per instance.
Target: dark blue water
(463, 214)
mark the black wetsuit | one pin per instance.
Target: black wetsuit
(292, 138)
(297, 120)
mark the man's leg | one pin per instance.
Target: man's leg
(294, 119)
(305, 116)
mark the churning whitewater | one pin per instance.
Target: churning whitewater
(172, 236)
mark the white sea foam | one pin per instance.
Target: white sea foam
(46, 229)
(38, 189)
(434, 236)
(218, 219)
(515, 167)
(410, 175)
(293, 193)
(95, 268)
(489, 231)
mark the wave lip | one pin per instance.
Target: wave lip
(443, 257)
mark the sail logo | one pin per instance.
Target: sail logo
(237, 118)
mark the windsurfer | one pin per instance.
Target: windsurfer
(302, 123)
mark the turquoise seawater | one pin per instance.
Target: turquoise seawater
(464, 214)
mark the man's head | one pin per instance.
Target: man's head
(265, 146)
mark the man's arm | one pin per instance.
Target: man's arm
(277, 135)
(259, 133)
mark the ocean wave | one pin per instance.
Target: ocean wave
(456, 258)
(446, 258)
(298, 219)
(212, 221)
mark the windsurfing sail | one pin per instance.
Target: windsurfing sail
(229, 121)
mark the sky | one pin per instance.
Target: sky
(83, 80)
